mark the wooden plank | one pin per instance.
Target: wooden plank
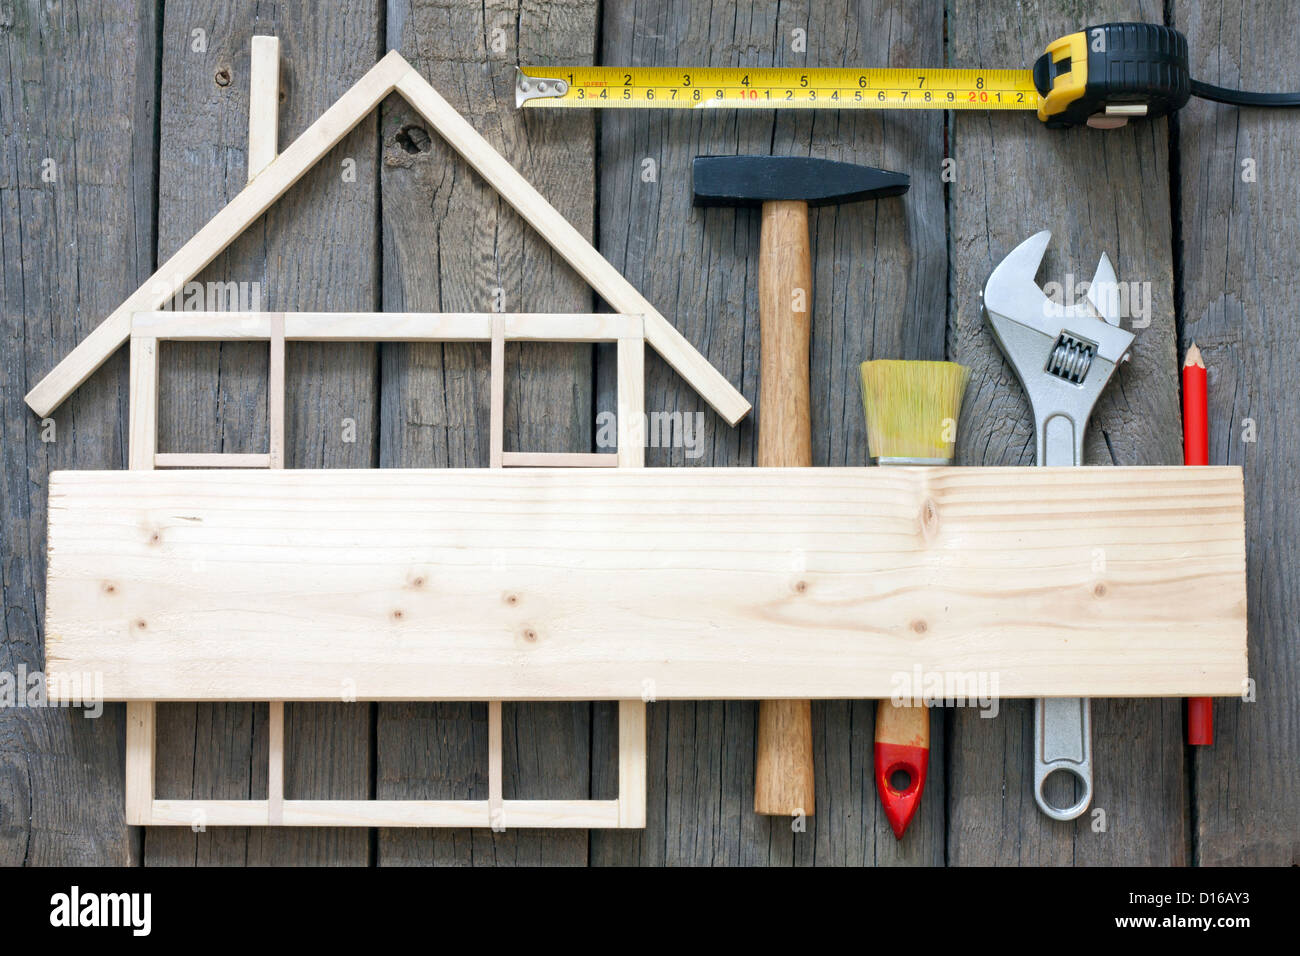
(631, 403)
(1237, 184)
(275, 394)
(880, 284)
(263, 103)
(631, 763)
(77, 187)
(227, 225)
(497, 384)
(141, 739)
(555, 459)
(473, 252)
(1138, 764)
(313, 250)
(143, 401)
(387, 326)
(211, 460)
(551, 583)
(494, 764)
(275, 765)
(600, 327)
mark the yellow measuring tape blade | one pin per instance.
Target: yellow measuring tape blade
(609, 87)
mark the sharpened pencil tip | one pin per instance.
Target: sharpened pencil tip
(1193, 357)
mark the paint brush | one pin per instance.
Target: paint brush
(911, 410)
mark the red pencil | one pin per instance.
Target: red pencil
(1196, 451)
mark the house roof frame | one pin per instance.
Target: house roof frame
(391, 74)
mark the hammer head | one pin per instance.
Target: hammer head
(754, 180)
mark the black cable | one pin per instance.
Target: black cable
(1242, 98)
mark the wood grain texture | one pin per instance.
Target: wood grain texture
(1098, 192)
(550, 584)
(77, 102)
(783, 762)
(1241, 306)
(879, 273)
(451, 243)
(316, 249)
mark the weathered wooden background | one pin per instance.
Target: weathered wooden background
(121, 137)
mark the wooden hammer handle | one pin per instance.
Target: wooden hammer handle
(783, 783)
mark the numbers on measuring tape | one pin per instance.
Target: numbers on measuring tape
(776, 87)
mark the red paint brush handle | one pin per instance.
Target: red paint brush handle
(1196, 451)
(902, 757)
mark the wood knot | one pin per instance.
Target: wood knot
(510, 598)
(155, 537)
(1099, 589)
(140, 624)
(929, 518)
(919, 626)
(800, 586)
(109, 587)
(417, 581)
(222, 77)
(397, 615)
(530, 635)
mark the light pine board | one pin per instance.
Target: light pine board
(694, 584)
(1238, 238)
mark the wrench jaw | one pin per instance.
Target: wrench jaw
(1063, 357)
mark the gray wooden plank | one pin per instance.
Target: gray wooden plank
(315, 249)
(450, 243)
(76, 90)
(1098, 191)
(879, 277)
(1238, 254)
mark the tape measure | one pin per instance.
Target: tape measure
(607, 87)
(1101, 76)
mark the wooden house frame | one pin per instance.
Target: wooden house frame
(785, 583)
(270, 175)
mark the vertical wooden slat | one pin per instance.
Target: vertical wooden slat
(263, 103)
(141, 737)
(497, 383)
(631, 402)
(275, 766)
(495, 819)
(140, 748)
(275, 392)
(143, 415)
(631, 763)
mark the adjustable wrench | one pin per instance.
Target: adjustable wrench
(1063, 356)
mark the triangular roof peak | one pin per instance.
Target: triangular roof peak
(392, 73)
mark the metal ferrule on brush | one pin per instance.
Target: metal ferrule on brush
(885, 460)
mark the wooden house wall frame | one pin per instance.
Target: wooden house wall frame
(685, 583)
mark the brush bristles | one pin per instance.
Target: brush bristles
(912, 407)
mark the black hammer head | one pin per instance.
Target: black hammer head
(753, 180)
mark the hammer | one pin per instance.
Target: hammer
(785, 186)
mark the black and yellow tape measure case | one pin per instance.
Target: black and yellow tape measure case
(1116, 69)
(1101, 76)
